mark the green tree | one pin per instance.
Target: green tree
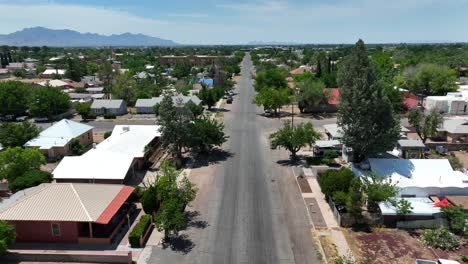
(15, 162)
(107, 74)
(13, 98)
(208, 97)
(294, 138)
(76, 147)
(7, 236)
(48, 102)
(125, 88)
(402, 206)
(84, 110)
(457, 219)
(430, 79)
(365, 114)
(377, 189)
(355, 200)
(171, 217)
(205, 134)
(17, 134)
(425, 125)
(272, 99)
(312, 93)
(74, 70)
(175, 126)
(196, 110)
(272, 78)
(30, 179)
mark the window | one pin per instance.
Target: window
(408, 196)
(56, 229)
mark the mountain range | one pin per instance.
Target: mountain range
(40, 36)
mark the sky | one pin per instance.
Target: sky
(239, 22)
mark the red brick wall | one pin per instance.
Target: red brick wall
(42, 232)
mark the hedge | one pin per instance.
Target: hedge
(110, 116)
(139, 231)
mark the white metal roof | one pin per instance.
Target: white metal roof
(327, 143)
(417, 172)
(112, 158)
(54, 71)
(421, 206)
(334, 130)
(53, 83)
(178, 100)
(76, 202)
(59, 134)
(113, 104)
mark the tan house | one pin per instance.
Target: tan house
(454, 131)
(55, 141)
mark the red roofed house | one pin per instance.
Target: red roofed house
(72, 213)
(410, 101)
(330, 106)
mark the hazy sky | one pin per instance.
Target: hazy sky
(234, 22)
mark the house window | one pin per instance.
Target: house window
(56, 229)
(408, 196)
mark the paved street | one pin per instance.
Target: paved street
(248, 209)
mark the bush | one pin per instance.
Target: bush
(441, 238)
(110, 116)
(139, 230)
(136, 194)
(330, 154)
(30, 179)
(455, 162)
(457, 219)
(335, 180)
(149, 200)
(7, 236)
(107, 134)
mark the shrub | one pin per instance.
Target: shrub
(455, 162)
(149, 200)
(7, 236)
(457, 219)
(136, 194)
(139, 230)
(107, 134)
(464, 258)
(30, 179)
(330, 154)
(335, 180)
(441, 238)
(109, 116)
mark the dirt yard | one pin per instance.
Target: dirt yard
(387, 246)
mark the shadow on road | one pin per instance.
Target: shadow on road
(216, 156)
(291, 163)
(193, 222)
(180, 243)
(218, 110)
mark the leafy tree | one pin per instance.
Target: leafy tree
(48, 102)
(107, 134)
(332, 181)
(13, 98)
(430, 79)
(107, 74)
(171, 217)
(272, 78)
(7, 236)
(457, 219)
(365, 114)
(272, 99)
(196, 110)
(311, 94)
(377, 189)
(402, 206)
(205, 134)
(125, 88)
(354, 203)
(74, 70)
(294, 138)
(76, 147)
(181, 70)
(17, 134)
(175, 126)
(30, 179)
(15, 162)
(425, 125)
(208, 96)
(84, 110)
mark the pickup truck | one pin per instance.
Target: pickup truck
(439, 261)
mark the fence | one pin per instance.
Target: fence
(413, 224)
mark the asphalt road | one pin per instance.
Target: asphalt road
(249, 205)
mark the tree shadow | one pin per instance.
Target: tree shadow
(180, 243)
(192, 221)
(364, 228)
(300, 160)
(216, 156)
(219, 110)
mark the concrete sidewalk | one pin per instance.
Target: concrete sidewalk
(331, 227)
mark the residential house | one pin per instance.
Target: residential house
(112, 106)
(333, 131)
(95, 90)
(302, 69)
(56, 84)
(50, 73)
(418, 177)
(454, 131)
(146, 106)
(54, 142)
(115, 160)
(143, 75)
(330, 106)
(69, 213)
(410, 149)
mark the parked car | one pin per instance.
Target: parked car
(229, 99)
(21, 118)
(439, 261)
(41, 119)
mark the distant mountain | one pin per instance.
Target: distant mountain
(271, 43)
(39, 36)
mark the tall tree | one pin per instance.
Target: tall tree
(48, 102)
(15, 162)
(294, 138)
(431, 79)
(311, 94)
(205, 134)
(107, 74)
(272, 99)
(365, 114)
(125, 88)
(17, 134)
(425, 125)
(13, 98)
